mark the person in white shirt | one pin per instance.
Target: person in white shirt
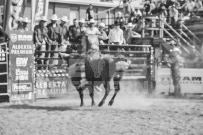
(116, 35)
(137, 12)
(92, 30)
(174, 15)
(82, 27)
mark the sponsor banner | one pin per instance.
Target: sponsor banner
(22, 87)
(191, 80)
(21, 65)
(21, 98)
(46, 87)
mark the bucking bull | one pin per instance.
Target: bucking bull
(99, 69)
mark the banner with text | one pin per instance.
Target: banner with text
(191, 80)
(21, 66)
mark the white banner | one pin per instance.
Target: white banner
(191, 80)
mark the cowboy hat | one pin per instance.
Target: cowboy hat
(20, 19)
(193, 47)
(102, 25)
(26, 20)
(130, 25)
(172, 42)
(175, 49)
(43, 18)
(92, 21)
(65, 19)
(54, 17)
(82, 20)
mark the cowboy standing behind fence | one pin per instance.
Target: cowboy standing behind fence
(116, 35)
(64, 36)
(54, 33)
(92, 30)
(41, 39)
(73, 33)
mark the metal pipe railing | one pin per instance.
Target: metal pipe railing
(171, 28)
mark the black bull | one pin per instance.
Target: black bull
(99, 70)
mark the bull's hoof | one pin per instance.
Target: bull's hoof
(82, 104)
(100, 104)
(111, 103)
(93, 104)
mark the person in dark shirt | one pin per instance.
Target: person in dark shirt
(90, 13)
(147, 7)
(26, 21)
(175, 63)
(126, 7)
(41, 39)
(64, 30)
(73, 34)
(54, 34)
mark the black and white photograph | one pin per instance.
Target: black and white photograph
(101, 67)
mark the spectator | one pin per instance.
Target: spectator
(40, 32)
(188, 6)
(81, 30)
(147, 7)
(41, 38)
(103, 37)
(73, 33)
(25, 23)
(135, 16)
(163, 12)
(137, 12)
(116, 35)
(152, 8)
(90, 13)
(126, 7)
(20, 24)
(64, 31)
(138, 27)
(132, 18)
(54, 34)
(198, 5)
(120, 18)
(63, 47)
(129, 34)
(82, 27)
(174, 16)
(92, 30)
(175, 2)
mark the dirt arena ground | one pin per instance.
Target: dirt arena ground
(130, 115)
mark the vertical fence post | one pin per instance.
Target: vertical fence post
(143, 27)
